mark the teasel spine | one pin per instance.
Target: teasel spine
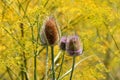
(50, 35)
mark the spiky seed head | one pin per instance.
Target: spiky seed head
(63, 43)
(73, 45)
(50, 32)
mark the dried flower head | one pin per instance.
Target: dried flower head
(63, 43)
(73, 46)
(50, 32)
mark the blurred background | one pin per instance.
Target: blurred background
(97, 22)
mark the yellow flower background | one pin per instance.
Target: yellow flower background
(97, 22)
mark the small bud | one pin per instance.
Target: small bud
(63, 43)
(50, 32)
(73, 46)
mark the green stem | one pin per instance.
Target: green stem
(10, 75)
(38, 52)
(35, 69)
(65, 74)
(61, 65)
(52, 55)
(46, 76)
(46, 3)
(72, 67)
(25, 66)
(22, 72)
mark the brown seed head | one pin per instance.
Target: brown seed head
(50, 32)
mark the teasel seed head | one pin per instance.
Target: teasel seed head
(50, 32)
(62, 43)
(73, 45)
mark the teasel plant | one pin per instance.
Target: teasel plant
(73, 48)
(49, 36)
(62, 45)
